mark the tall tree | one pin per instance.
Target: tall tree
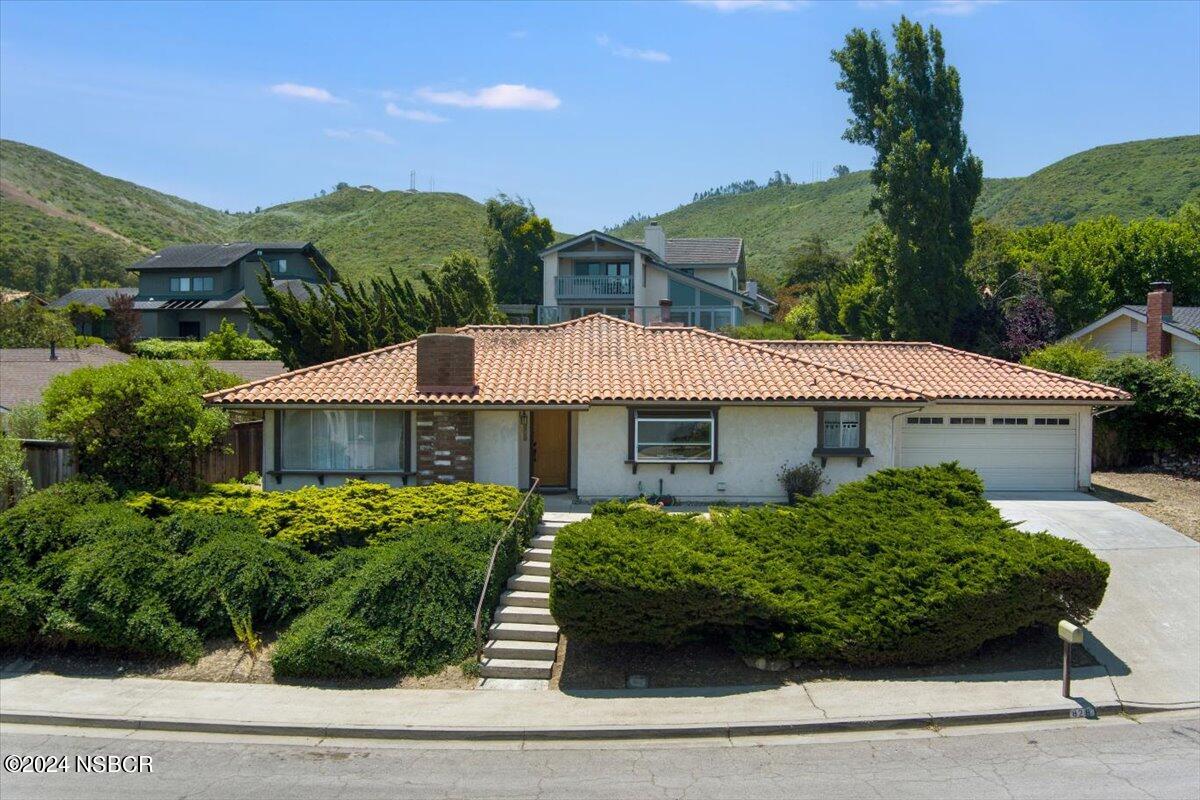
(908, 107)
(341, 319)
(516, 236)
(126, 322)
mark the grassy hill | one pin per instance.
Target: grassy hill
(49, 203)
(1135, 179)
(364, 232)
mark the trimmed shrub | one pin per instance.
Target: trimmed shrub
(110, 589)
(34, 527)
(407, 611)
(358, 513)
(908, 566)
(22, 605)
(230, 566)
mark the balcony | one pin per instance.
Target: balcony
(592, 287)
(712, 318)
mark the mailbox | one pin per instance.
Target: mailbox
(1071, 634)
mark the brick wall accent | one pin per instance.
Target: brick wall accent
(445, 363)
(1159, 307)
(445, 446)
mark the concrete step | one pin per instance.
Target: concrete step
(525, 615)
(525, 599)
(533, 568)
(514, 684)
(550, 526)
(523, 632)
(530, 583)
(542, 542)
(529, 651)
(515, 668)
(538, 554)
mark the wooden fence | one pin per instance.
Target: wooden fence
(238, 454)
(48, 462)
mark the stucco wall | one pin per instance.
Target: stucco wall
(753, 443)
(497, 446)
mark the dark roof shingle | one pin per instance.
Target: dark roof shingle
(200, 256)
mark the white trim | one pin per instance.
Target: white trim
(1125, 311)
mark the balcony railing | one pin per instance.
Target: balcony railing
(591, 287)
(712, 318)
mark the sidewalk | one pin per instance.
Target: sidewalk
(398, 713)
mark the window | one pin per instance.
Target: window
(968, 420)
(842, 430)
(343, 440)
(1052, 421)
(674, 436)
(925, 420)
(192, 284)
(1010, 420)
(278, 265)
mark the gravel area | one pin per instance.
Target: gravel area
(1167, 498)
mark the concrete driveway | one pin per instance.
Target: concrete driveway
(1147, 631)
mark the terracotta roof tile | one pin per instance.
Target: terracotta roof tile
(591, 359)
(945, 373)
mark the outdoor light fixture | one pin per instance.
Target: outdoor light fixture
(1070, 634)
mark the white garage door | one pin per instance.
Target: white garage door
(1010, 452)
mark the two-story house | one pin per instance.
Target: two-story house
(184, 291)
(695, 282)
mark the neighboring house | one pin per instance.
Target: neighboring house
(184, 291)
(26, 372)
(694, 282)
(20, 298)
(1156, 330)
(607, 408)
(101, 298)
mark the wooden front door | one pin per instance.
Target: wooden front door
(550, 448)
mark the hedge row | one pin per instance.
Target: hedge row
(906, 567)
(154, 577)
(357, 513)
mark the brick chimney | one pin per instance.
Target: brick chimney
(664, 309)
(445, 363)
(1159, 307)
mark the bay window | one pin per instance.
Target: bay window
(343, 440)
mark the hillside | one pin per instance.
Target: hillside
(363, 233)
(1135, 179)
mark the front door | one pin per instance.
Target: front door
(550, 447)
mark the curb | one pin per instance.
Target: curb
(597, 732)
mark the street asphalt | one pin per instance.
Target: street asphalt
(1156, 756)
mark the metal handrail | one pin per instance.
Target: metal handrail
(487, 578)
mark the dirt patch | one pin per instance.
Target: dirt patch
(1170, 499)
(582, 665)
(19, 195)
(224, 661)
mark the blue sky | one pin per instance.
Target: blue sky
(592, 111)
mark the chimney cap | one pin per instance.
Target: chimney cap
(1160, 286)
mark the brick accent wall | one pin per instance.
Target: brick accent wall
(445, 446)
(1159, 306)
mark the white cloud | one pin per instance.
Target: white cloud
(313, 93)
(624, 51)
(501, 96)
(359, 134)
(873, 4)
(958, 8)
(413, 114)
(730, 6)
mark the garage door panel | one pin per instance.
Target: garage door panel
(1007, 457)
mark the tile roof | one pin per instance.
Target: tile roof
(945, 373)
(92, 297)
(592, 359)
(197, 256)
(725, 250)
(1181, 316)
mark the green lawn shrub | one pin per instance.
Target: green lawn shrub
(357, 513)
(909, 566)
(34, 527)
(109, 589)
(22, 605)
(407, 610)
(228, 565)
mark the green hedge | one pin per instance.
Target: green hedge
(408, 609)
(906, 567)
(359, 513)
